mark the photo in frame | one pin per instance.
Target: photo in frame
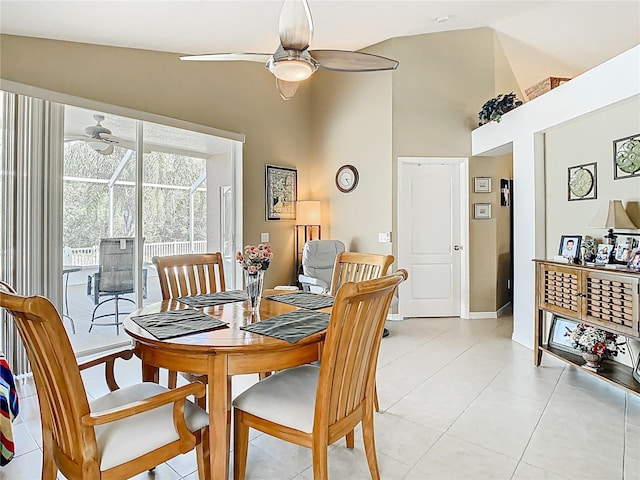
(505, 192)
(634, 260)
(603, 253)
(626, 157)
(570, 246)
(482, 211)
(482, 184)
(582, 182)
(281, 192)
(626, 243)
(557, 338)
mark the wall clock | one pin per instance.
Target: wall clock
(582, 182)
(347, 178)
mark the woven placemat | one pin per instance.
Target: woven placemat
(291, 326)
(212, 299)
(310, 301)
(177, 323)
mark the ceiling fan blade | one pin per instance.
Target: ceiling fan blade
(296, 25)
(121, 142)
(229, 57)
(345, 61)
(106, 151)
(287, 89)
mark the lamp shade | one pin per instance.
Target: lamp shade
(612, 216)
(308, 212)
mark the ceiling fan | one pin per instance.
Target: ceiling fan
(293, 62)
(101, 140)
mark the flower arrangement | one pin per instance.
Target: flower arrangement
(496, 107)
(590, 339)
(255, 258)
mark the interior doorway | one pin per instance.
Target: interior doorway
(432, 236)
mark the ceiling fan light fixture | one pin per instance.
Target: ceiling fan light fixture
(292, 70)
(98, 145)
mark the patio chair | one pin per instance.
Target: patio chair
(314, 406)
(114, 279)
(115, 436)
(185, 275)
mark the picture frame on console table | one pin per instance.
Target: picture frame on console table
(557, 337)
(626, 243)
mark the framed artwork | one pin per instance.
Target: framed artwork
(626, 243)
(481, 211)
(626, 157)
(570, 246)
(557, 338)
(282, 192)
(505, 192)
(582, 182)
(482, 184)
(603, 253)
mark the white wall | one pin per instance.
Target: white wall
(522, 132)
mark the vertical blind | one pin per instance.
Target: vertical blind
(30, 208)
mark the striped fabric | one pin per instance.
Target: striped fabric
(8, 411)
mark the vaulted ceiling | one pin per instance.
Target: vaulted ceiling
(540, 38)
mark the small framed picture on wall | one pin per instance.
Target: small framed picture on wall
(482, 184)
(482, 211)
(626, 157)
(582, 182)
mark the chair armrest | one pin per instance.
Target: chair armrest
(109, 360)
(178, 395)
(316, 282)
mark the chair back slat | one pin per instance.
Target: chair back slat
(347, 370)
(190, 274)
(60, 388)
(358, 267)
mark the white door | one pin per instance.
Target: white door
(430, 235)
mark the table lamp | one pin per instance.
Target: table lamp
(307, 226)
(612, 215)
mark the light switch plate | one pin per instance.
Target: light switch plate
(264, 237)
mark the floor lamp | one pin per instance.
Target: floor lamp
(307, 227)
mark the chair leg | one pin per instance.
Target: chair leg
(240, 445)
(368, 435)
(49, 468)
(320, 459)
(350, 439)
(173, 379)
(202, 456)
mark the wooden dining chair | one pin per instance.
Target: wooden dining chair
(314, 406)
(356, 267)
(118, 435)
(187, 275)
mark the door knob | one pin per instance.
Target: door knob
(457, 247)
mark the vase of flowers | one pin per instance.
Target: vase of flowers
(594, 344)
(255, 261)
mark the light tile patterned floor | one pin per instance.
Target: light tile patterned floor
(459, 400)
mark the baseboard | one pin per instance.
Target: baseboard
(506, 308)
(501, 311)
(394, 317)
(481, 315)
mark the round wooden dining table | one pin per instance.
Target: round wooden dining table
(221, 354)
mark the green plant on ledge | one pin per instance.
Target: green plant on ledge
(496, 107)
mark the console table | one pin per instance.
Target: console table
(602, 297)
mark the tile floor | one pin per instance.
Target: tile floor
(459, 400)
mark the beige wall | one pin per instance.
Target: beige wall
(234, 96)
(489, 252)
(586, 140)
(427, 107)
